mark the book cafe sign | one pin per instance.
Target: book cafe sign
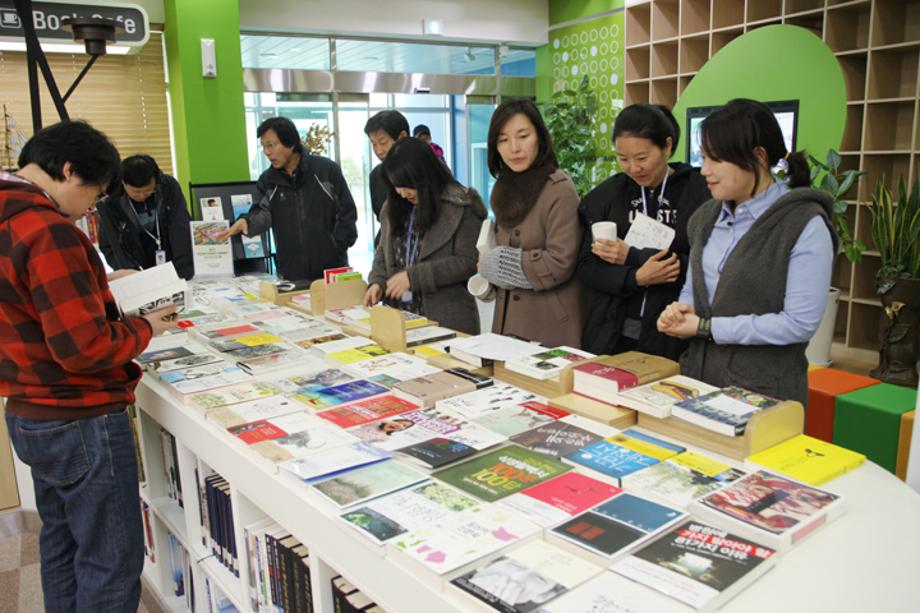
(47, 18)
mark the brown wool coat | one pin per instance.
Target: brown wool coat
(446, 260)
(549, 237)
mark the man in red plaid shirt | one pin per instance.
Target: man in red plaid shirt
(66, 370)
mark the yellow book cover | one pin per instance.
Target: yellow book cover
(358, 354)
(426, 351)
(643, 447)
(807, 459)
(701, 463)
(254, 340)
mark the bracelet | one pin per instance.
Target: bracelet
(704, 329)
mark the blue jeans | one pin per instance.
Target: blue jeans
(86, 490)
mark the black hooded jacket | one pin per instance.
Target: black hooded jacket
(614, 292)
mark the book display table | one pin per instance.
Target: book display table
(865, 561)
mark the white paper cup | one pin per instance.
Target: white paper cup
(604, 229)
(480, 288)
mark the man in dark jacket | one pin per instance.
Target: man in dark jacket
(305, 200)
(145, 220)
(383, 130)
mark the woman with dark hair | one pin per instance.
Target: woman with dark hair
(538, 232)
(427, 249)
(761, 253)
(633, 284)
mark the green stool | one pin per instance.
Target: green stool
(869, 421)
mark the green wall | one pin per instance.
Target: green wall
(208, 118)
(570, 10)
(774, 63)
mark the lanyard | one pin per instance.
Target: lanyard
(664, 185)
(412, 243)
(156, 220)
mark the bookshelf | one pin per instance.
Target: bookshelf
(877, 43)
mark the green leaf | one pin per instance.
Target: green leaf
(833, 160)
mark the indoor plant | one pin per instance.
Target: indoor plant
(826, 176)
(896, 233)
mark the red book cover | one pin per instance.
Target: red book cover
(545, 409)
(623, 379)
(233, 331)
(572, 492)
(256, 432)
(365, 411)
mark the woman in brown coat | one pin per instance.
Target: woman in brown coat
(538, 232)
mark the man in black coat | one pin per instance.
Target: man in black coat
(145, 221)
(305, 200)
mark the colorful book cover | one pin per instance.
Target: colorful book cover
(612, 459)
(526, 577)
(202, 378)
(396, 365)
(770, 502)
(547, 363)
(623, 379)
(557, 438)
(503, 472)
(307, 342)
(556, 500)
(726, 410)
(339, 394)
(682, 479)
(365, 411)
(658, 397)
(512, 420)
(694, 563)
(418, 426)
(254, 410)
(313, 380)
(462, 538)
(639, 513)
(282, 426)
(437, 452)
(807, 459)
(357, 354)
(486, 400)
(390, 516)
(361, 484)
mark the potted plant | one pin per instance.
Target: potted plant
(896, 232)
(826, 176)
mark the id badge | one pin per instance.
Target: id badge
(160, 257)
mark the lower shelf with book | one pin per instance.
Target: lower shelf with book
(871, 544)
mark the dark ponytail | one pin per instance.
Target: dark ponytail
(733, 132)
(654, 122)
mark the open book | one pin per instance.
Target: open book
(149, 290)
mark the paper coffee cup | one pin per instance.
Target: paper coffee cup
(604, 229)
(480, 287)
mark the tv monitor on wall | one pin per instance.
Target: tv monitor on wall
(785, 111)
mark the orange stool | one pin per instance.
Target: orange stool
(824, 385)
(904, 438)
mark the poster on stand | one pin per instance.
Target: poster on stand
(212, 257)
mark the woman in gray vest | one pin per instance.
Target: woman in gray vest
(761, 253)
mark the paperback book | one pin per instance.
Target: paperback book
(366, 411)
(427, 390)
(699, 565)
(609, 592)
(255, 410)
(150, 290)
(556, 500)
(547, 363)
(681, 479)
(396, 366)
(358, 354)
(624, 453)
(657, 398)
(770, 509)
(806, 459)
(421, 425)
(512, 420)
(233, 394)
(390, 516)
(625, 370)
(526, 577)
(483, 401)
(183, 383)
(339, 394)
(725, 411)
(314, 467)
(313, 379)
(291, 436)
(502, 472)
(362, 484)
(616, 526)
(427, 335)
(436, 452)
(556, 438)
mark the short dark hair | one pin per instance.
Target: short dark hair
(91, 154)
(411, 163)
(139, 170)
(654, 122)
(420, 129)
(504, 112)
(732, 133)
(392, 122)
(284, 128)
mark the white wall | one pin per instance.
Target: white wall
(514, 21)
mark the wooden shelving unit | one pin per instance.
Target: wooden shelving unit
(877, 43)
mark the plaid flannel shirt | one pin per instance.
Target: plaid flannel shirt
(65, 352)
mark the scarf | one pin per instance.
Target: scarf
(515, 193)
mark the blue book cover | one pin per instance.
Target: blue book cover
(611, 459)
(730, 406)
(655, 441)
(641, 514)
(349, 392)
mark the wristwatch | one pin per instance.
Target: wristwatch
(704, 329)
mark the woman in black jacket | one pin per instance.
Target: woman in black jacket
(631, 285)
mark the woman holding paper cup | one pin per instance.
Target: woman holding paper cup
(537, 232)
(634, 257)
(427, 249)
(762, 251)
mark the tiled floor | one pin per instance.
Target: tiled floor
(20, 581)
